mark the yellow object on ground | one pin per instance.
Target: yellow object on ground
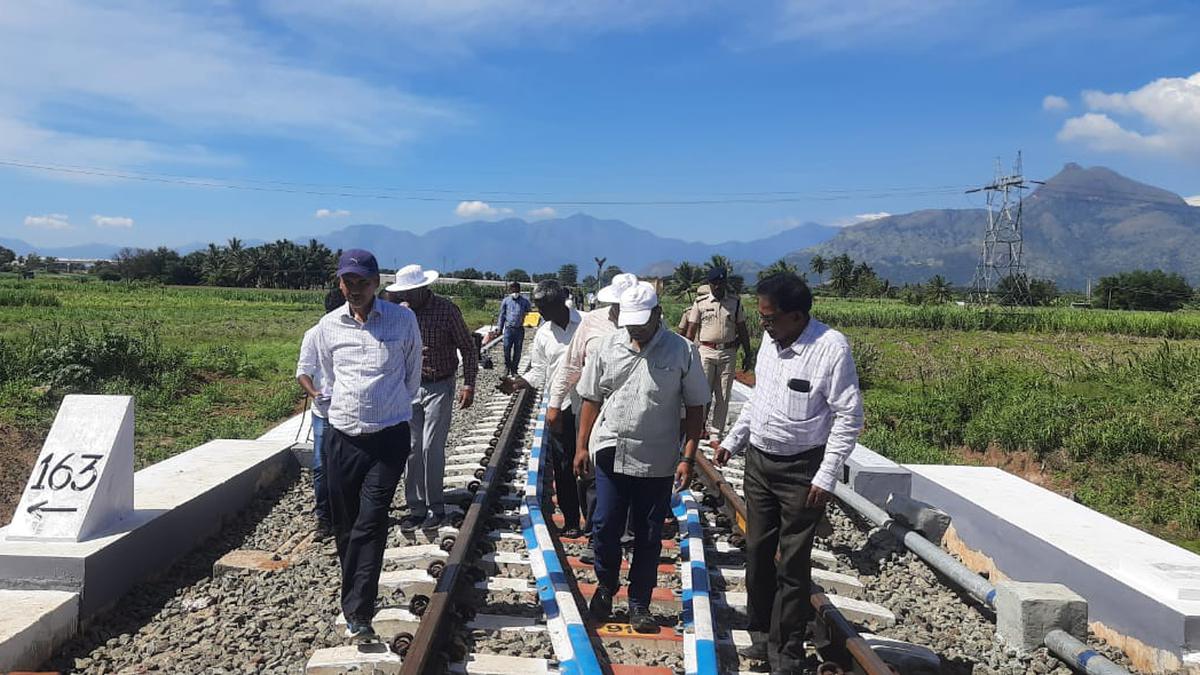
(533, 319)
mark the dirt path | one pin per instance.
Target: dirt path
(18, 450)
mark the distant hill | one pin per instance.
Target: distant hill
(1082, 223)
(78, 251)
(545, 244)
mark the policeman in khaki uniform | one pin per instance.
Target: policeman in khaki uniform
(717, 323)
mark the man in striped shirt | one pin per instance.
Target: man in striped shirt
(371, 352)
(800, 424)
(444, 335)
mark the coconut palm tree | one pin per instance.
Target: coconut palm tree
(818, 265)
(940, 289)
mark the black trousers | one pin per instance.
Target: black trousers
(567, 490)
(779, 604)
(362, 472)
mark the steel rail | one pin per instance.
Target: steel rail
(423, 655)
(841, 633)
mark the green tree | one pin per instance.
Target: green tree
(568, 274)
(609, 272)
(778, 267)
(818, 265)
(684, 280)
(7, 256)
(938, 289)
(1140, 289)
(516, 274)
(841, 275)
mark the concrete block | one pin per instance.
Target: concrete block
(82, 482)
(876, 477)
(33, 624)
(376, 659)
(905, 657)
(929, 520)
(1002, 525)
(1026, 611)
(494, 664)
(178, 503)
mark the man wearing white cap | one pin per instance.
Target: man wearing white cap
(634, 384)
(444, 335)
(592, 326)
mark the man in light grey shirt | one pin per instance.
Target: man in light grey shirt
(800, 424)
(634, 384)
(371, 352)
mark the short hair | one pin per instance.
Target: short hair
(334, 299)
(551, 291)
(787, 292)
(514, 283)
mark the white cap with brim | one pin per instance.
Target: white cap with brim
(637, 304)
(410, 277)
(611, 293)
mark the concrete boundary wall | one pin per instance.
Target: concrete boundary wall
(1014, 529)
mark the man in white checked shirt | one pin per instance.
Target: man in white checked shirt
(371, 352)
(800, 424)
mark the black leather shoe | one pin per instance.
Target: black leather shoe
(642, 620)
(757, 651)
(600, 606)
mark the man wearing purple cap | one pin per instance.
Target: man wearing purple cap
(371, 353)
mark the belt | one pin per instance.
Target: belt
(719, 345)
(435, 380)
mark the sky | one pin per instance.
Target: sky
(163, 122)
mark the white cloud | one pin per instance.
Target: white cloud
(185, 73)
(1053, 103)
(858, 218)
(463, 27)
(1194, 201)
(331, 213)
(478, 209)
(1163, 117)
(50, 221)
(112, 221)
(544, 212)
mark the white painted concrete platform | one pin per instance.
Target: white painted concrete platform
(1138, 587)
(874, 476)
(178, 503)
(33, 624)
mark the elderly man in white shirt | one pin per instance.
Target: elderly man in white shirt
(370, 350)
(546, 354)
(315, 384)
(634, 385)
(800, 424)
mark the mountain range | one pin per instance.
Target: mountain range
(1082, 223)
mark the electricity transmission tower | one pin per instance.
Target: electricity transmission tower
(1000, 276)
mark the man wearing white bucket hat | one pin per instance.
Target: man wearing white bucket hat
(444, 335)
(634, 384)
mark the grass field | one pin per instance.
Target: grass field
(1103, 411)
(203, 363)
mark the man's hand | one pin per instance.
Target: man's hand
(583, 463)
(683, 475)
(817, 498)
(747, 361)
(720, 455)
(466, 396)
(553, 419)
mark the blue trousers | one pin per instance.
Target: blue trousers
(514, 340)
(643, 503)
(320, 489)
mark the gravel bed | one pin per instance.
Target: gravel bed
(187, 621)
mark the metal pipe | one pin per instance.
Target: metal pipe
(1062, 644)
(933, 555)
(1079, 655)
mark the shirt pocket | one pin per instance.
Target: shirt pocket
(800, 405)
(662, 382)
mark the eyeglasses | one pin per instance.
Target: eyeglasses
(770, 319)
